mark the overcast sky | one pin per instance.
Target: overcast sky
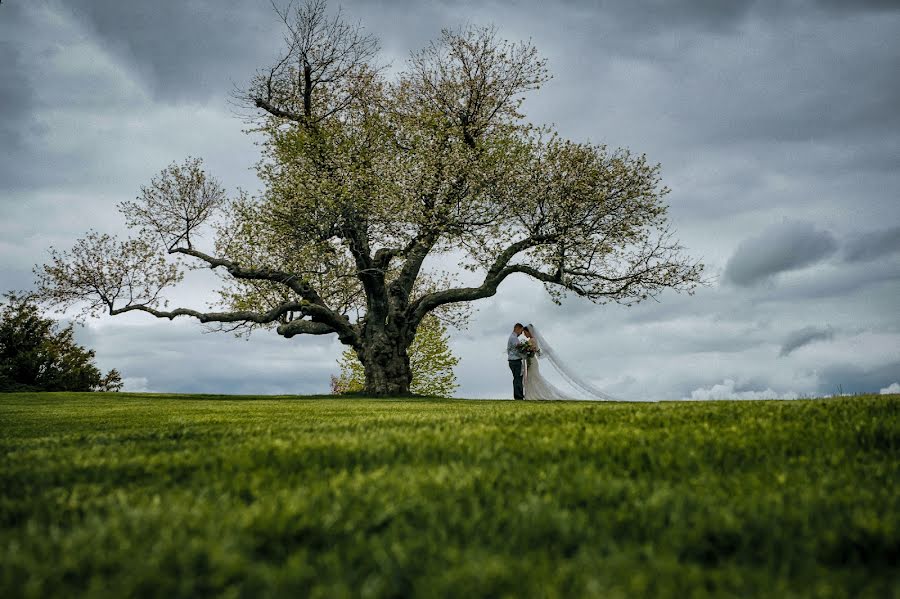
(777, 125)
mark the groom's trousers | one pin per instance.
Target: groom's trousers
(516, 367)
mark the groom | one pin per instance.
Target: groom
(515, 360)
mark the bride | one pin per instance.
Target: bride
(537, 387)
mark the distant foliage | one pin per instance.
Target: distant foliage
(430, 358)
(36, 356)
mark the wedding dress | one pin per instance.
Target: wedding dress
(536, 386)
(539, 388)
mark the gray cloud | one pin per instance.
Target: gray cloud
(832, 280)
(784, 247)
(797, 339)
(865, 247)
(644, 16)
(18, 101)
(842, 6)
(16, 96)
(848, 378)
(183, 50)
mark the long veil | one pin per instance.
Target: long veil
(573, 379)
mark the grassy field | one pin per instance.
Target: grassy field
(182, 496)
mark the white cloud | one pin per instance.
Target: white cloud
(727, 390)
(892, 389)
(137, 384)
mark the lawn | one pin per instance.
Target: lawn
(140, 495)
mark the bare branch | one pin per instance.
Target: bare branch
(274, 110)
(320, 71)
(176, 203)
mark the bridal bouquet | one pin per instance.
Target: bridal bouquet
(527, 349)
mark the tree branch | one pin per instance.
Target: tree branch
(237, 316)
(303, 327)
(290, 280)
(654, 269)
(279, 112)
(498, 271)
(313, 305)
(416, 253)
(294, 327)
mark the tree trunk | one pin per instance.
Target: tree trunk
(386, 363)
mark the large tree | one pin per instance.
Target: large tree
(372, 183)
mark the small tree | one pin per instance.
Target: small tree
(36, 356)
(431, 362)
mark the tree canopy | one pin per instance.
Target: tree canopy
(379, 191)
(36, 355)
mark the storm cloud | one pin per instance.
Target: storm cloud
(784, 247)
(19, 104)
(797, 339)
(865, 247)
(182, 51)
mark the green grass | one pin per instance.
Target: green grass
(181, 496)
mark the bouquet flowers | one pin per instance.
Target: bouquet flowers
(527, 349)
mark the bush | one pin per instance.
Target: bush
(36, 356)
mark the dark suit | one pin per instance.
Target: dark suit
(515, 365)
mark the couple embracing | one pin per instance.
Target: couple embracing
(528, 383)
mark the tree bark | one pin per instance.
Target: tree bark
(385, 359)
